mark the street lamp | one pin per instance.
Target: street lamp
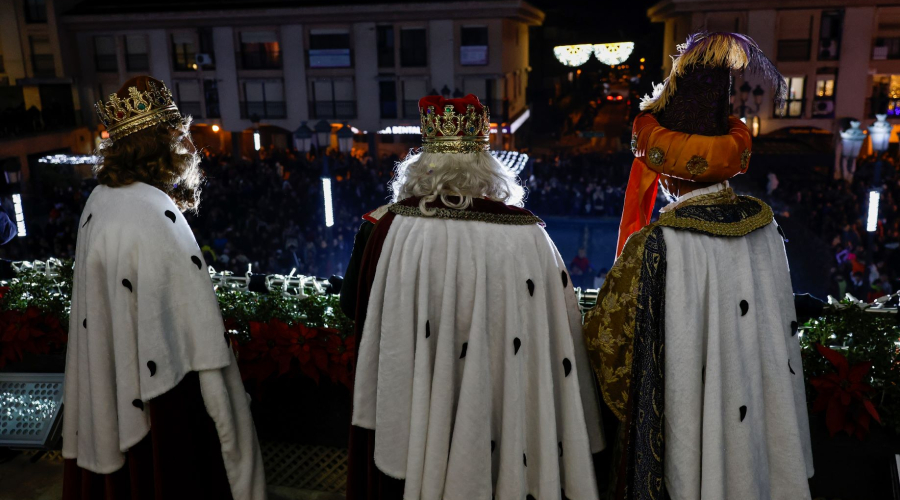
(851, 142)
(880, 131)
(303, 137)
(345, 139)
(257, 143)
(323, 134)
(758, 96)
(445, 92)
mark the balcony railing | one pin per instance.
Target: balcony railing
(193, 108)
(43, 65)
(793, 50)
(333, 109)
(884, 105)
(137, 62)
(260, 59)
(106, 63)
(263, 109)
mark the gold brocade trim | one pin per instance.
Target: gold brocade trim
(455, 145)
(745, 158)
(750, 214)
(609, 326)
(656, 156)
(469, 215)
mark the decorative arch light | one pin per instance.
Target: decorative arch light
(573, 55)
(610, 54)
(613, 53)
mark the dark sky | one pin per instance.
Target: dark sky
(602, 20)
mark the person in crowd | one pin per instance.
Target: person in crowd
(580, 267)
(155, 405)
(472, 380)
(694, 333)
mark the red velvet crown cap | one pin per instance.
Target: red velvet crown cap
(459, 105)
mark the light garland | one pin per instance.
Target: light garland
(512, 160)
(612, 54)
(573, 55)
(20, 215)
(64, 159)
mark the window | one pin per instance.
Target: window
(413, 90)
(885, 96)
(35, 11)
(385, 40)
(823, 100)
(263, 99)
(207, 59)
(105, 54)
(794, 104)
(260, 50)
(793, 50)
(387, 98)
(136, 53)
(473, 46)
(332, 98)
(188, 95)
(329, 49)
(183, 51)
(413, 49)
(42, 57)
(886, 48)
(211, 95)
(830, 35)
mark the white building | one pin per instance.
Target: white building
(841, 59)
(363, 64)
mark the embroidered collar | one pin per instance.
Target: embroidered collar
(693, 194)
(481, 210)
(720, 213)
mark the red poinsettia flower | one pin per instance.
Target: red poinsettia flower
(843, 395)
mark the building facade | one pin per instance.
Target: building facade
(275, 69)
(40, 110)
(840, 59)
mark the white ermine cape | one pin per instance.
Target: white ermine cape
(144, 314)
(472, 368)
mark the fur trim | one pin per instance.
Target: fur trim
(731, 50)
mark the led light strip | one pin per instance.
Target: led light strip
(20, 215)
(329, 211)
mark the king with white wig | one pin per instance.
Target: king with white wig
(472, 378)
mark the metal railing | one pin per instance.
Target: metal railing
(333, 109)
(263, 109)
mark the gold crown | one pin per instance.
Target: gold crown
(440, 133)
(137, 111)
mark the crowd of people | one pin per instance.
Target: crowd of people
(866, 265)
(268, 215)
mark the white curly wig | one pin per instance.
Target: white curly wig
(456, 178)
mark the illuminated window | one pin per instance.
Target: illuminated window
(795, 99)
(260, 50)
(184, 51)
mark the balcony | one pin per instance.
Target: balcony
(106, 63)
(263, 109)
(43, 65)
(793, 50)
(137, 62)
(193, 108)
(333, 109)
(883, 105)
(260, 59)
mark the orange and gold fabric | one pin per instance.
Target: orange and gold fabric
(693, 157)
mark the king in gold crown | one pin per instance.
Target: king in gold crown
(444, 130)
(140, 110)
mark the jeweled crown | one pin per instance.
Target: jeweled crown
(141, 109)
(445, 130)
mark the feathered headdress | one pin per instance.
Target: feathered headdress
(730, 50)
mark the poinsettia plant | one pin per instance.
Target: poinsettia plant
(844, 395)
(851, 364)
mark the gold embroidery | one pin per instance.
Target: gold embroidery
(609, 326)
(745, 158)
(696, 165)
(753, 214)
(656, 156)
(470, 215)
